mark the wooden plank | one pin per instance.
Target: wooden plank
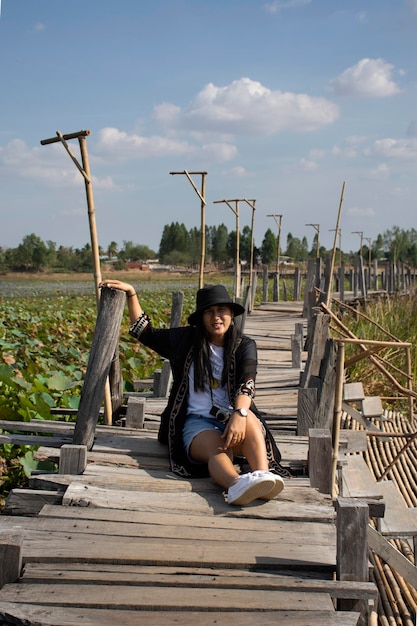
(361, 419)
(287, 507)
(149, 598)
(399, 520)
(69, 616)
(284, 531)
(79, 547)
(195, 577)
(357, 480)
(232, 521)
(392, 556)
(30, 501)
(109, 458)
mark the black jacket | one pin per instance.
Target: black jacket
(175, 344)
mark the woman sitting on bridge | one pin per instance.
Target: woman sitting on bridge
(210, 416)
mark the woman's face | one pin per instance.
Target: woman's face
(216, 322)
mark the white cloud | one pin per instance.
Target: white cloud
(237, 172)
(247, 107)
(400, 149)
(371, 78)
(218, 152)
(166, 113)
(308, 165)
(122, 146)
(278, 5)
(49, 165)
(39, 26)
(381, 172)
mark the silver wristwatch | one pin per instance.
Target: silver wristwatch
(242, 412)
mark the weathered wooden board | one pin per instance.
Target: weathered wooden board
(76, 547)
(149, 598)
(284, 531)
(194, 577)
(301, 504)
(232, 520)
(68, 616)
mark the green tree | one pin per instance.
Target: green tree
(175, 237)
(297, 249)
(269, 248)
(112, 249)
(135, 252)
(245, 244)
(217, 244)
(32, 255)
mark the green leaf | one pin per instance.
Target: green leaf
(59, 382)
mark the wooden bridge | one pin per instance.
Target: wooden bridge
(121, 540)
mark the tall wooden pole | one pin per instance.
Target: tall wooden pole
(279, 224)
(235, 210)
(91, 215)
(202, 196)
(336, 233)
(251, 203)
(84, 170)
(317, 229)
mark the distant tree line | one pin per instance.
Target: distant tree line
(180, 246)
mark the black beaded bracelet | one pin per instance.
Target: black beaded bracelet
(130, 295)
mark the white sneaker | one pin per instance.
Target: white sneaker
(278, 483)
(249, 487)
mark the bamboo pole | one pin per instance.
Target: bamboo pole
(336, 232)
(337, 413)
(362, 342)
(202, 196)
(251, 203)
(84, 169)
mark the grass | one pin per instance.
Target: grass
(390, 319)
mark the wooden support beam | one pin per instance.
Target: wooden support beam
(10, 557)
(306, 409)
(105, 339)
(352, 550)
(135, 413)
(72, 459)
(320, 459)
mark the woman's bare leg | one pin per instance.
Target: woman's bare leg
(207, 447)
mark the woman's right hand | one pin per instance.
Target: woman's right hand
(133, 303)
(118, 284)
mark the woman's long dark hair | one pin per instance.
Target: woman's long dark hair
(201, 353)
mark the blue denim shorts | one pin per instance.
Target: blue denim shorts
(195, 424)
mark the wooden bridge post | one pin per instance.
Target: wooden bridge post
(342, 281)
(10, 558)
(135, 412)
(320, 453)
(352, 550)
(265, 284)
(72, 459)
(106, 335)
(176, 310)
(275, 291)
(297, 284)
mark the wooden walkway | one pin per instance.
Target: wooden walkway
(127, 542)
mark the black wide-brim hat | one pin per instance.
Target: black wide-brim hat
(211, 296)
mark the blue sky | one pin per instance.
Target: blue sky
(280, 101)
